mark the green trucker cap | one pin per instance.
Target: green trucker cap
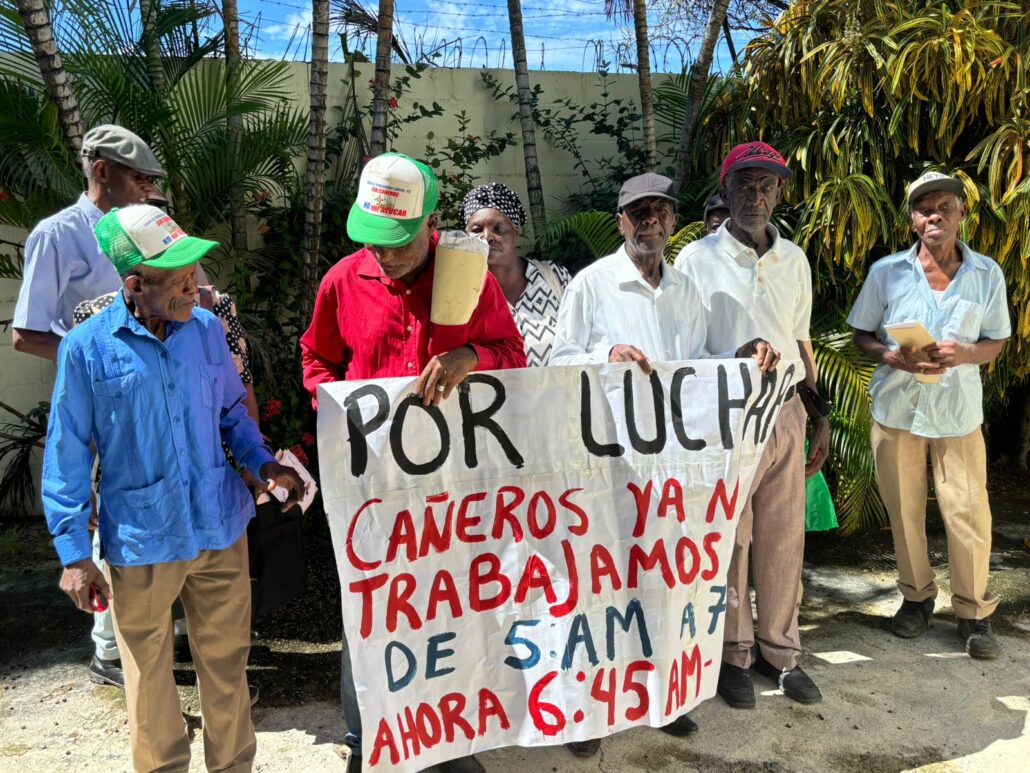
(142, 234)
(396, 194)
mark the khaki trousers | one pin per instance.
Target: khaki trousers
(772, 526)
(215, 592)
(960, 480)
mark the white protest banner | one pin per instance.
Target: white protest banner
(542, 558)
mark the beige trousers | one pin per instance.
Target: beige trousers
(960, 480)
(772, 526)
(215, 592)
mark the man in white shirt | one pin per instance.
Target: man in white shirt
(632, 307)
(750, 280)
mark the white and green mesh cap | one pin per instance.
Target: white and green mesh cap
(144, 234)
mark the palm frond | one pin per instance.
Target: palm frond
(597, 231)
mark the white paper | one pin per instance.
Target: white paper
(523, 566)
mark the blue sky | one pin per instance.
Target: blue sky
(560, 34)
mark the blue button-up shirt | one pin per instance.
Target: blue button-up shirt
(63, 267)
(973, 308)
(157, 412)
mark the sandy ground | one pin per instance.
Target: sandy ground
(889, 705)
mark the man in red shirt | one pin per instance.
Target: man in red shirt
(371, 320)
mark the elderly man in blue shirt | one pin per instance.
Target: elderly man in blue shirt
(959, 297)
(150, 381)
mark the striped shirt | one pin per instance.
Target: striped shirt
(63, 267)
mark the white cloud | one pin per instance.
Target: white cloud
(296, 24)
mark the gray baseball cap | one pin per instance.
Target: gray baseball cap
(931, 182)
(649, 185)
(116, 143)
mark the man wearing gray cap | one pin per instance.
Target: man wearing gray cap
(632, 306)
(64, 266)
(928, 401)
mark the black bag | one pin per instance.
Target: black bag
(278, 569)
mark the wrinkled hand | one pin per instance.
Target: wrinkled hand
(912, 360)
(627, 353)
(948, 354)
(76, 579)
(443, 373)
(763, 352)
(818, 445)
(278, 475)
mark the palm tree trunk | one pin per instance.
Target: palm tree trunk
(35, 17)
(696, 91)
(518, 55)
(148, 10)
(233, 63)
(381, 93)
(315, 176)
(644, 75)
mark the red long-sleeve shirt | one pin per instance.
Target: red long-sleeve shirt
(367, 325)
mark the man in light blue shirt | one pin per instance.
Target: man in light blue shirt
(151, 383)
(959, 297)
(63, 267)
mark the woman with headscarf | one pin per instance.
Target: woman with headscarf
(533, 288)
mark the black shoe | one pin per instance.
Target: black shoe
(353, 762)
(681, 726)
(584, 749)
(796, 684)
(461, 765)
(979, 638)
(912, 619)
(735, 687)
(106, 672)
(181, 651)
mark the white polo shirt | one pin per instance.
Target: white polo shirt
(610, 303)
(747, 296)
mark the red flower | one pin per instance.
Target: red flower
(4, 196)
(301, 455)
(272, 409)
(307, 439)
(392, 102)
(263, 228)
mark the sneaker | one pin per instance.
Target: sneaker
(106, 672)
(461, 765)
(796, 684)
(735, 687)
(912, 619)
(979, 638)
(584, 749)
(681, 726)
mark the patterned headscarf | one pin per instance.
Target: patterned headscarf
(493, 196)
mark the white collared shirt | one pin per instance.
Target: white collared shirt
(971, 309)
(749, 297)
(610, 303)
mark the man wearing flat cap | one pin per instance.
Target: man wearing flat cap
(371, 320)
(64, 266)
(150, 382)
(753, 280)
(632, 306)
(715, 212)
(928, 401)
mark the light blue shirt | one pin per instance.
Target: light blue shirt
(63, 267)
(158, 412)
(973, 308)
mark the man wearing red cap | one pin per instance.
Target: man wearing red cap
(752, 280)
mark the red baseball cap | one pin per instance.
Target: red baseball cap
(754, 154)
